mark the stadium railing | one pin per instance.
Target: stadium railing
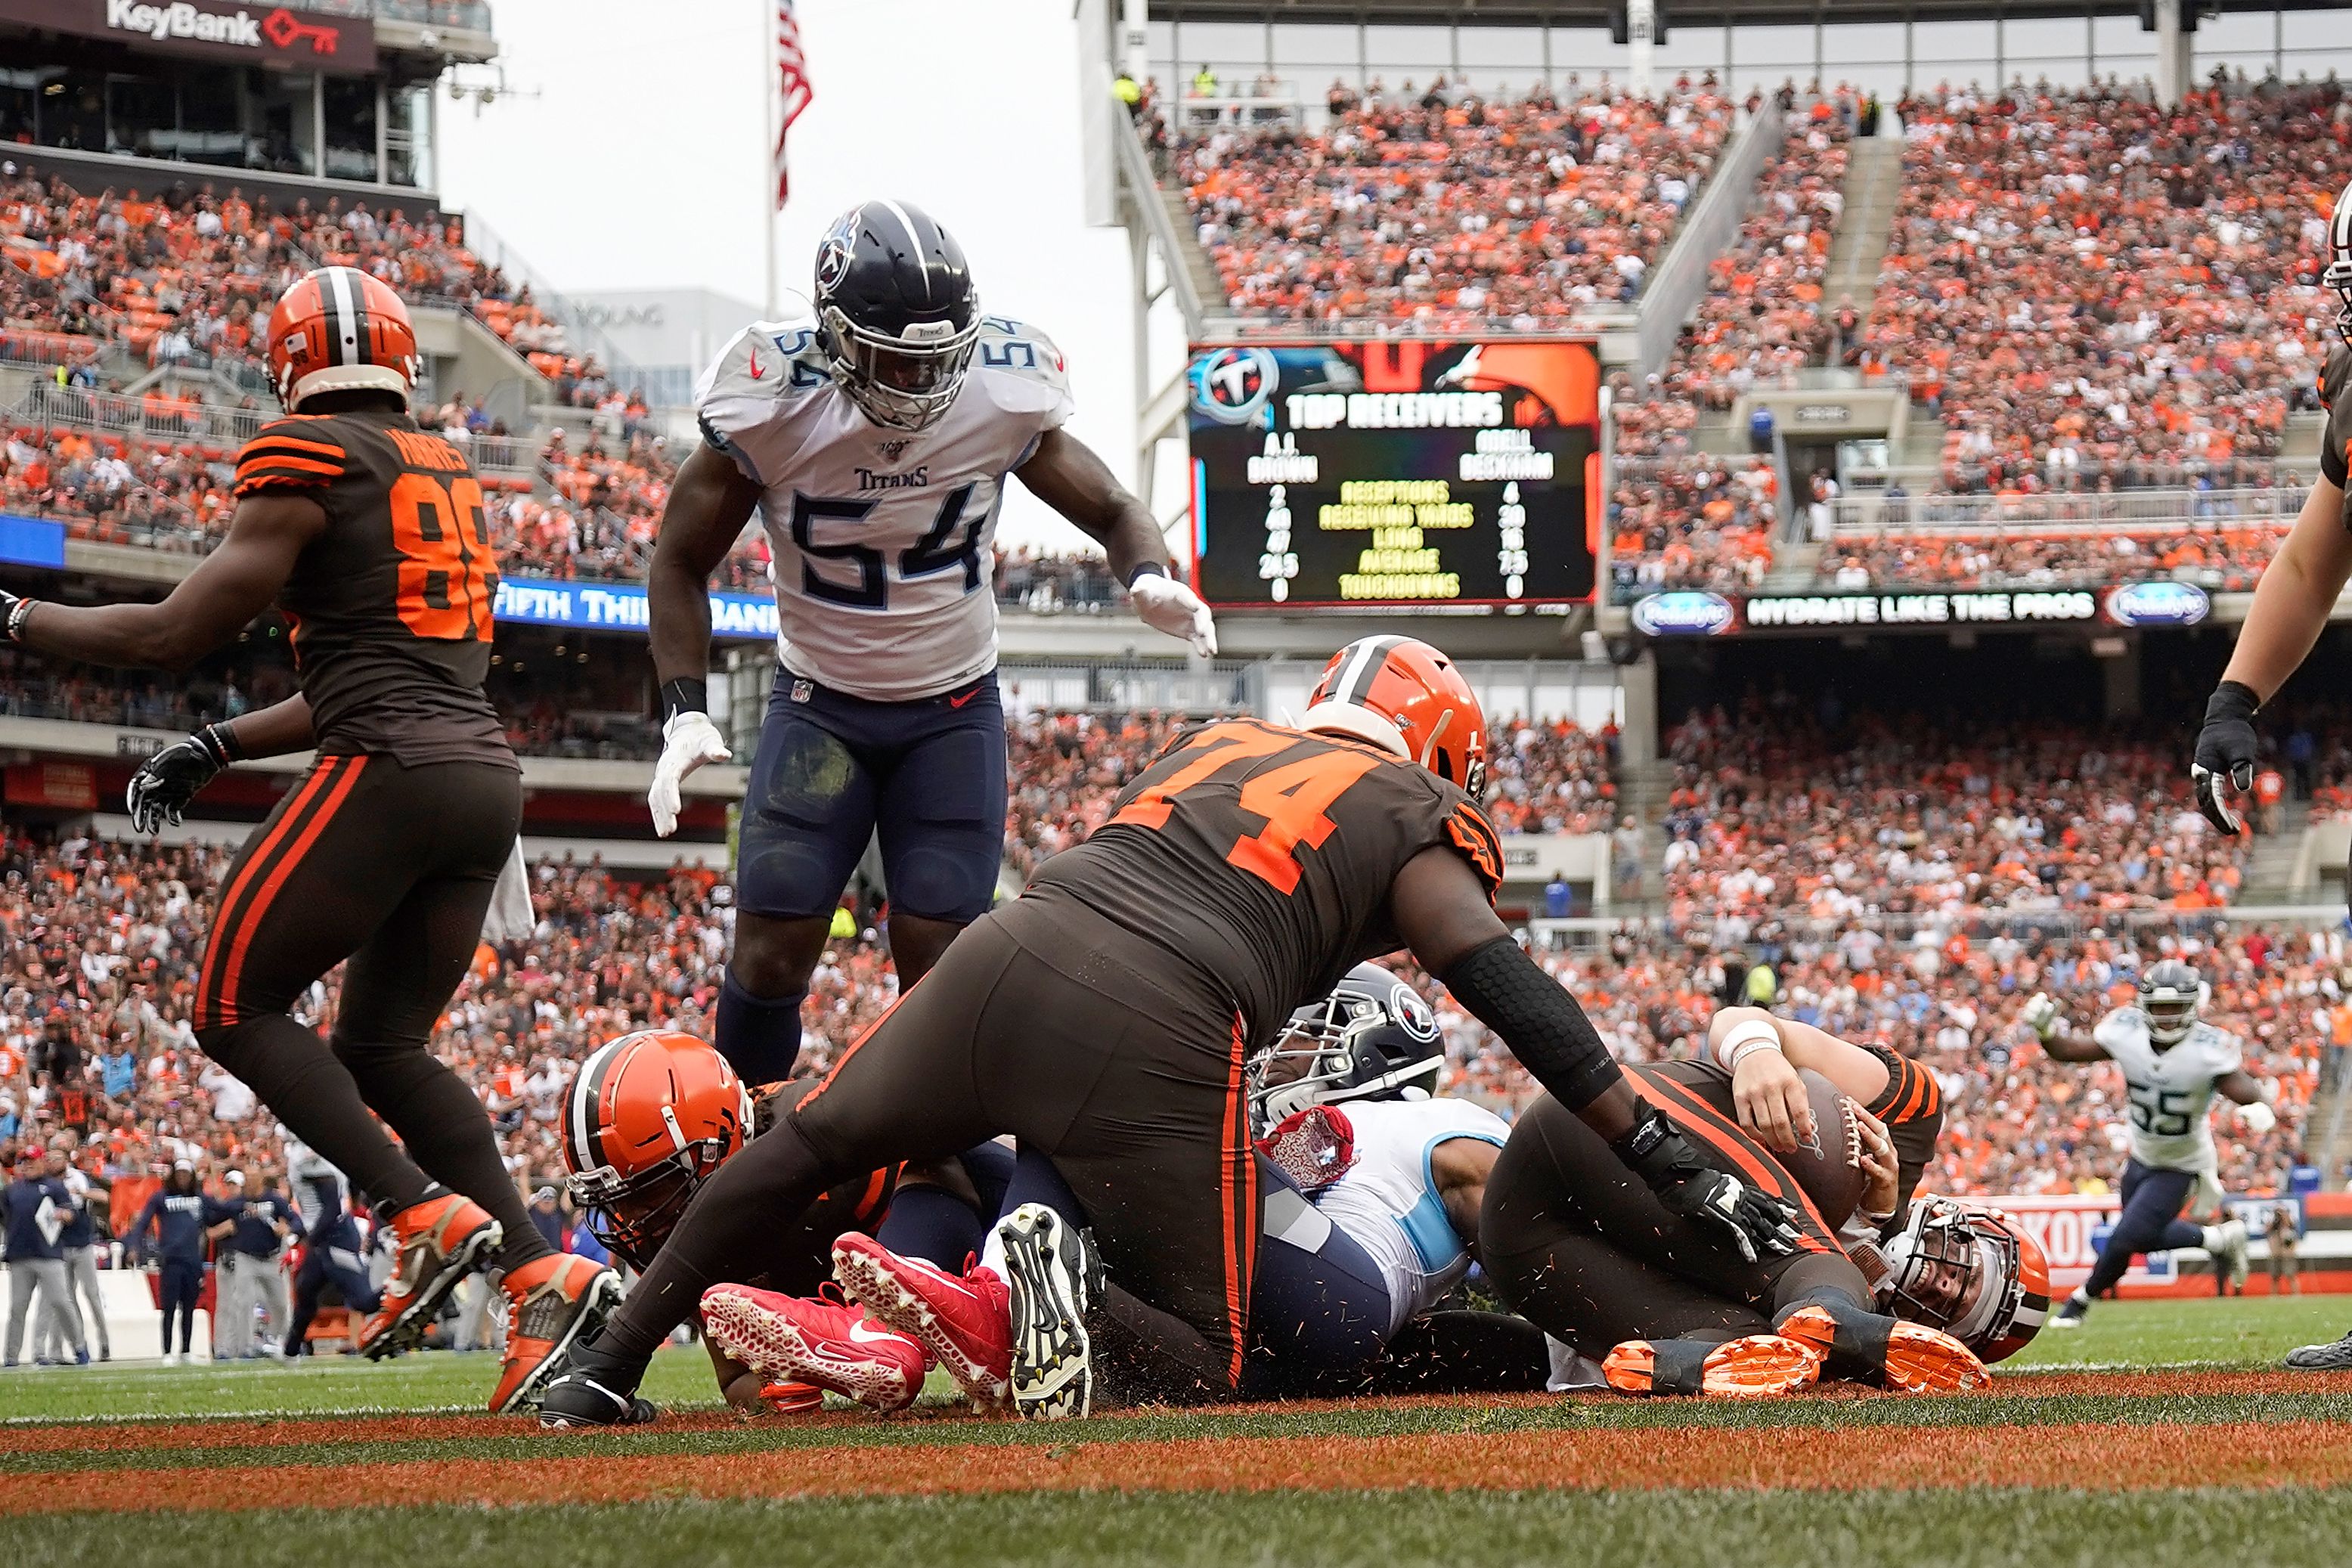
(472, 15)
(1978, 924)
(1873, 513)
(1710, 223)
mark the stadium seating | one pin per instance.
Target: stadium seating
(1450, 210)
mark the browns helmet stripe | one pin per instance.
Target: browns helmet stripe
(1355, 682)
(342, 317)
(587, 1102)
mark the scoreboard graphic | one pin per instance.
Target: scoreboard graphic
(1396, 474)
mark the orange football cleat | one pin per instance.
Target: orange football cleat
(439, 1240)
(550, 1302)
(1760, 1366)
(1917, 1358)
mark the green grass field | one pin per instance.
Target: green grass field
(2070, 1458)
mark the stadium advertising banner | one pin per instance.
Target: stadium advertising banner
(1395, 474)
(622, 608)
(1686, 612)
(32, 541)
(222, 30)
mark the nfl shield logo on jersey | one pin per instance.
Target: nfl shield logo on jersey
(803, 690)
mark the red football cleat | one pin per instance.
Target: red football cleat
(795, 1339)
(550, 1302)
(965, 1321)
(437, 1242)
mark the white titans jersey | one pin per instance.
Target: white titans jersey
(2171, 1090)
(882, 538)
(1389, 1203)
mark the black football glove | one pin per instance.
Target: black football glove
(2225, 753)
(1753, 1224)
(166, 783)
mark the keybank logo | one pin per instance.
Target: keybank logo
(164, 23)
(1684, 614)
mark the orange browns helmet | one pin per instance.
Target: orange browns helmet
(652, 1115)
(340, 330)
(1405, 697)
(1973, 1272)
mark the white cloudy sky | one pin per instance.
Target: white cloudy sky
(642, 164)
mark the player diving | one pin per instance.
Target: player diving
(873, 436)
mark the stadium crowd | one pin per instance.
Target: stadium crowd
(2222, 557)
(1442, 207)
(2083, 285)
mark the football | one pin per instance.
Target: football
(1829, 1167)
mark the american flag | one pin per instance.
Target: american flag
(791, 67)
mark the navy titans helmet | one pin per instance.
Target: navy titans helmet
(2170, 993)
(897, 314)
(1372, 1038)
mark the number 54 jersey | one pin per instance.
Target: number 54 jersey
(881, 537)
(389, 607)
(2171, 1090)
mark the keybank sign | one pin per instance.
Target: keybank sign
(164, 23)
(622, 608)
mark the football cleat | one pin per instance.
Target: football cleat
(2335, 1355)
(1911, 1358)
(593, 1388)
(2230, 1254)
(964, 1320)
(439, 1240)
(793, 1398)
(1056, 1278)
(1759, 1366)
(550, 1302)
(2070, 1315)
(813, 1342)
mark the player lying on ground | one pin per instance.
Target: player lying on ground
(1106, 1016)
(873, 436)
(1371, 1190)
(368, 534)
(1840, 1134)
(2173, 1064)
(653, 1114)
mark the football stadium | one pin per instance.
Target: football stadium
(1630, 846)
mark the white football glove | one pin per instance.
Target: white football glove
(2257, 1118)
(2042, 1015)
(689, 740)
(1167, 606)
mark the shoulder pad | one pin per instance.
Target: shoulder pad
(297, 452)
(767, 374)
(2334, 373)
(1021, 366)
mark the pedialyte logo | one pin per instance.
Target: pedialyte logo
(2161, 604)
(1685, 613)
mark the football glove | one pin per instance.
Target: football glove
(166, 783)
(1167, 606)
(1753, 1224)
(689, 740)
(2043, 1016)
(2257, 1118)
(2225, 753)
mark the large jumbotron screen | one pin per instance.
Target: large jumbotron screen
(1397, 473)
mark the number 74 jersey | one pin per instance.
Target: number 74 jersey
(882, 538)
(2171, 1090)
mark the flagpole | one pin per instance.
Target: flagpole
(771, 92)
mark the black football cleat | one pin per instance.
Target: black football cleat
(594, 1388)
(1056, 1278)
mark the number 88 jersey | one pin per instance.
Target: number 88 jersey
(2171, 1090)
(390, 606)
(882, 538)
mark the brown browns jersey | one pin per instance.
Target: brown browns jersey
(390, 606)
(1261, 858)
(2336, 395)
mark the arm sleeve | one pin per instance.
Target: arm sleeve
(1912, 1107)
(2335, 444)
(295, 456)
(1505, 990)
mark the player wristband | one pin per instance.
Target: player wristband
(18, 613)
(221, 741)
(1747, 1036)
(1144, 569)
(686, 695)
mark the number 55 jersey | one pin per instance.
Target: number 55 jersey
(389, 607)
(1261, 860)
(881, 537)
(2171, 1090)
